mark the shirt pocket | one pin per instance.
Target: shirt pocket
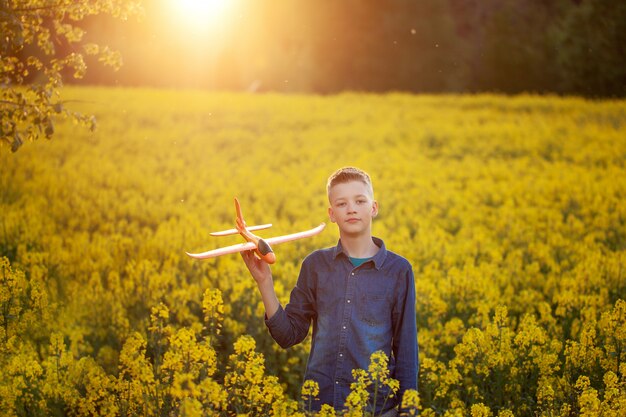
(374, 308)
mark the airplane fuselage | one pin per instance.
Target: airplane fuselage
(263, 249)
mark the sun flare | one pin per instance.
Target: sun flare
(200, 15)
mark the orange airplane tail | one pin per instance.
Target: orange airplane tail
(240, 221)
(240, 224)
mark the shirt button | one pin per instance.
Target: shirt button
(353, 274)
(348, 300)
(336, 382)
(341, 355)
(344, 327)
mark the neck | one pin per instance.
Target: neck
(359, 246)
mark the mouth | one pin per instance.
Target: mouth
(353, 220)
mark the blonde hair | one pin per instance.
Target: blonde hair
(347, 174)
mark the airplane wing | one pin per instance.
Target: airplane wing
(294, 236)
(235, 231)
(240, 247)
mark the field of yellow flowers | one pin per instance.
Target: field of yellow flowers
(512, 211)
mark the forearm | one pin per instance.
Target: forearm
(262, 274)
(268, 296)
(286, 329)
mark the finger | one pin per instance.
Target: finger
(249, 258)
(245, 255)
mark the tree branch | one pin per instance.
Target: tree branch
(38, 8)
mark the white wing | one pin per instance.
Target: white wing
(235, 231)
(240, 247)
(294, 236)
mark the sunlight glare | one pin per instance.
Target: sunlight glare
(200, 15)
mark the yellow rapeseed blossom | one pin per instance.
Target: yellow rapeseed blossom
(480, 410)
(371, 387)
(212, 394)
(326, 411)
(613, 328)
(249, 389)
(190, 407)
(358, 399)
(614, 395)
(286, 408)
(213, 309)
(310, 391)
(510, 209)
(411, 402)
(588, 401)
(379, 367)
(136, 383)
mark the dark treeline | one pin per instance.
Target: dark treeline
(325, 46)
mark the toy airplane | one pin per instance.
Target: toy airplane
(260, 246)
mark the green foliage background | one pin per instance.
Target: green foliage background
(511, 210)
(509, 46)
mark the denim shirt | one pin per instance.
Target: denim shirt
(355, 311)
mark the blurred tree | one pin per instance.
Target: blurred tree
(519, 56)
(42, 44)
(591, 48)
(383, 46)
(508, 44)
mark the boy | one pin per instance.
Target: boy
(359, 296)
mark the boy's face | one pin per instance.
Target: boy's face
(352, 207)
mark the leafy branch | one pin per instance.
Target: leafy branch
(32, 67)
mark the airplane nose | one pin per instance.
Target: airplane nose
(265, 251)
(270, 258)
(264, 247)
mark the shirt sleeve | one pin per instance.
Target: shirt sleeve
(404, 347)
(289, 326)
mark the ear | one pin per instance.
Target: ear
(374, 208)
(331, 215)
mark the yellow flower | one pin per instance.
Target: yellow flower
(326, 411)
(588, 400)
(411, 402)
(480, 410)
(310, 390)
(213, 309)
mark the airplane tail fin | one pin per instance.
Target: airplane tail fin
(241, 224)
(240, 221)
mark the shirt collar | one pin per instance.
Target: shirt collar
(378, 259)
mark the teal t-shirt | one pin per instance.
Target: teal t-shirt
(358, 261)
